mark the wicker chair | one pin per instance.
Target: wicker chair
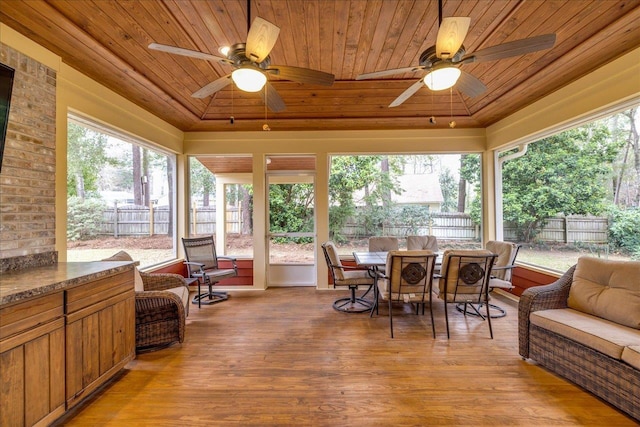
(162, 304)
(161, 309)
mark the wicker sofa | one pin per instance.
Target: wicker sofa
(586, 328)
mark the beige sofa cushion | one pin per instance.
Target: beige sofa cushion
(137, 279)
(631, 355)
(599, 334)
(607, 289)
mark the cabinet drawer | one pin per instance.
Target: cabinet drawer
(29, 314)
(93, 293)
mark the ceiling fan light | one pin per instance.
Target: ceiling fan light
(442, 78)
(249, 79)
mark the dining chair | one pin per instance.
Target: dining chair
(202, 264)
(383, 243)
(464, 279)
(350, 277)
(502, 271)
(422, 243)
(408, 279)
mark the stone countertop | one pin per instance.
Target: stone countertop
(28, 283)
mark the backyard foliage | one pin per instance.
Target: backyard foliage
(84, 218)
(551, 178)
(624, 230)
(86, 156)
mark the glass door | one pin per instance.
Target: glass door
(291, 228)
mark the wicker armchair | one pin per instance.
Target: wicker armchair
(162, 304)
(161, 309)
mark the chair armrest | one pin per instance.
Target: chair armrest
(346, 267)
(537, 298)
(503, 267)
(154, 305)
(162, 281)
(229, 258)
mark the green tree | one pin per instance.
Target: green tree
(449, 191)
(374, 176)
(291, 208)
(203, 182)
(565, 174)
(86, 154)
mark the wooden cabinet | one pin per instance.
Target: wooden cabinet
(62, 339)
(100, 333)
(32, 364)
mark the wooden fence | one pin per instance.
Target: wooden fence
(445, 226)
(140, 221)
(568, 229)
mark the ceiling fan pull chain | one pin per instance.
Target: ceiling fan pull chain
(231, 119)
(452, 123)
(265, 126)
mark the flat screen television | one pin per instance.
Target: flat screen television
(6, 84)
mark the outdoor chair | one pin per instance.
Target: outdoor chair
(161, 306)
(502, 270)
(422, 243)
(408, 279)
(202, 264)
(500, 274)
(464, 279)
(350, 277)
(383, 244)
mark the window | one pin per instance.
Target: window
(576, 193)
(120, 196)
(209, 178)
(404, 195)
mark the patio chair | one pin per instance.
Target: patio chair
(161, 305)
(408, 280)
(202, 264)
(422, 243)
(502, 270)
(350, 277)
(383, 244)
(464, 279)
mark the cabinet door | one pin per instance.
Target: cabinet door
(32, 374)
(100, 335)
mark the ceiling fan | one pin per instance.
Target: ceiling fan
(443, 60)
(252, 64)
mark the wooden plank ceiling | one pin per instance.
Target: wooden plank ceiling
(108, 40)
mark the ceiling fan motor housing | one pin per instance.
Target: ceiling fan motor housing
(428, 58)
(237, 54)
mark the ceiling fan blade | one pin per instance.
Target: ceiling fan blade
(303, 75)
(391, 72)
(261, 39)
(407, 93)
(273, 99)
(451, 34)
(213, 87)
(185, 52)
(514, 48)
(470, 85)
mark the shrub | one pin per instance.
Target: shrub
(84, 218)
(624, 230)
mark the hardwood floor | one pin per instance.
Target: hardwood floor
(285, 357)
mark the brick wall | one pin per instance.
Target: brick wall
(27, 180)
